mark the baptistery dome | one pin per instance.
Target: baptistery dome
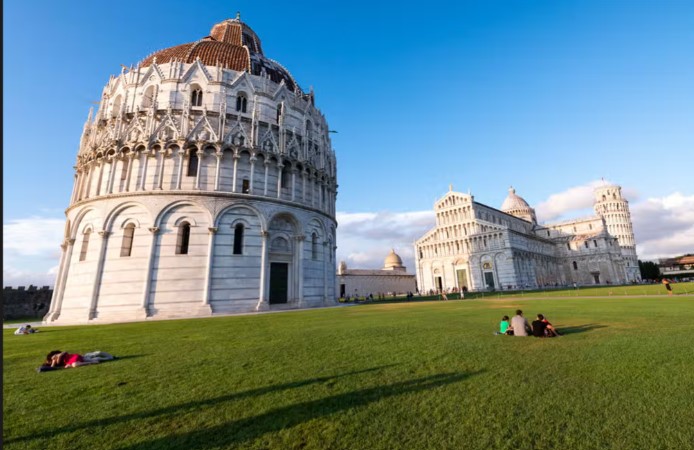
(205, 183)
(231, 44)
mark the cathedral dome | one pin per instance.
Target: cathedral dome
(231, 44)
(393, 262)
(517, 206)
(514, 202)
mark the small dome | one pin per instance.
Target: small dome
(514, 202)
(392, 261)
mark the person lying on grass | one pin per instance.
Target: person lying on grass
(542, 328)
(58, 359)
(25, 329)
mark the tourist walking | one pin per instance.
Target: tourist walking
(666, 282)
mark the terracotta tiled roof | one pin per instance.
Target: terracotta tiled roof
(231, 44)
(686, 260)
(227, 32)
(209, 51)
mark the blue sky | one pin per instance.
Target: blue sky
(548, 96)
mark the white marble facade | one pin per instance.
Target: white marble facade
(205, 183)
(477, 247)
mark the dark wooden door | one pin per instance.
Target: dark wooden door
(279, 277)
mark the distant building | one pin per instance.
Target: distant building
(205, 183)
(393, 278)
(478, 247)
(680, 267)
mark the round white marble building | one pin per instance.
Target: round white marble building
(205, 183)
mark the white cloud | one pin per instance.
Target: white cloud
(664, 226)
(573, 199)
(33, 236)
(14, 277)
(31, 251)
(365, 239)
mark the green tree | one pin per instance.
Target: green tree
(649, 270)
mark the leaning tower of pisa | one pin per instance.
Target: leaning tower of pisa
(614, 208)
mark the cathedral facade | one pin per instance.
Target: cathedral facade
(205, 183)
(477, 247)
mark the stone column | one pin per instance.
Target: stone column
(300, 269)
(90, 169)
(293, 170)
(101, 175)
(99, 271)
(201, 155)
(235, 157)
(250, 187)
(128, 174)
(80, 183)
(263, 303)
(57, 300)
(145, 163)
(179, 179)
(325, 272)
(206, 308)
(162, 165)
(267, 164)
(218, 154)
(74, 187)
(111, 175)
(280, 166)
(148, 274)
(303, 186)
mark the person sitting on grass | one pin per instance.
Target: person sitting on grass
(505, 327)
(25, 329)
(550, 330)
(519, 324)
(542, 328)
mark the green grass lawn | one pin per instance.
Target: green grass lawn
(376, 376)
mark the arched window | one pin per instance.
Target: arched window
(183, 239)
(241, 102)
(238, 239)
(585, 243)
(127, 244)
(193, 163)
(575, 265)
(245, 186)
(568, 245)
(314, 246)
(309, 130)
(285, 178)
(124, 169)
(279, 112)
(196, 96)
(148, 97)
(85, 244)
(115, 110)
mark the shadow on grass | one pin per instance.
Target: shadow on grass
(580, 328)
(240, 431)
(185, 407)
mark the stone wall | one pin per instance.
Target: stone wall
(19, 303)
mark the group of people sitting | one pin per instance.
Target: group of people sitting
(519, 326)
